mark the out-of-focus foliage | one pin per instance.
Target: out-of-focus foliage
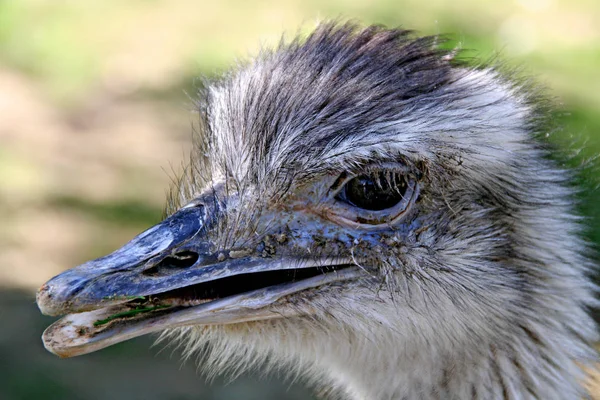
(95, 118)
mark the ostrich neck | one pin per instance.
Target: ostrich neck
(389, 374)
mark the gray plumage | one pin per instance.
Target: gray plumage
(477, 289)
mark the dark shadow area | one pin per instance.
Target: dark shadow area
(130, 370)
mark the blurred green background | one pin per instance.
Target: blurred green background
(96, 101)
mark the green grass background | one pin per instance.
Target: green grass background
(95, 100)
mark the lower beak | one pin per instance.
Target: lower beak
(168, 277)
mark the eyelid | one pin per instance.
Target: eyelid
(339, 184)
(346, 177)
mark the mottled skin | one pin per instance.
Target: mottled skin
(477, 288)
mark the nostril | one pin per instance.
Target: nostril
(182, 260)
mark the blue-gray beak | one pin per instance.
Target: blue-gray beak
(154, 254)
(169, 276)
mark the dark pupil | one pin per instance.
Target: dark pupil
(376, 191)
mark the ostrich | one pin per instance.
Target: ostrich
(367, 211)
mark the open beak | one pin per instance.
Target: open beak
(168, 277)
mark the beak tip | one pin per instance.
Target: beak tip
(51, 344)
(46, 302)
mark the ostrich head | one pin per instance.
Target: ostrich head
(368, 211)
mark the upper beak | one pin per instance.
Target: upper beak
(118, 276)
(114, 298)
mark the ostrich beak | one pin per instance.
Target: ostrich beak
(167, 277)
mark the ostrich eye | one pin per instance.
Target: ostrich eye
(372, 200)
(374, 192)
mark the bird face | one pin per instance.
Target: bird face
(357, 172)
(231, 255)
